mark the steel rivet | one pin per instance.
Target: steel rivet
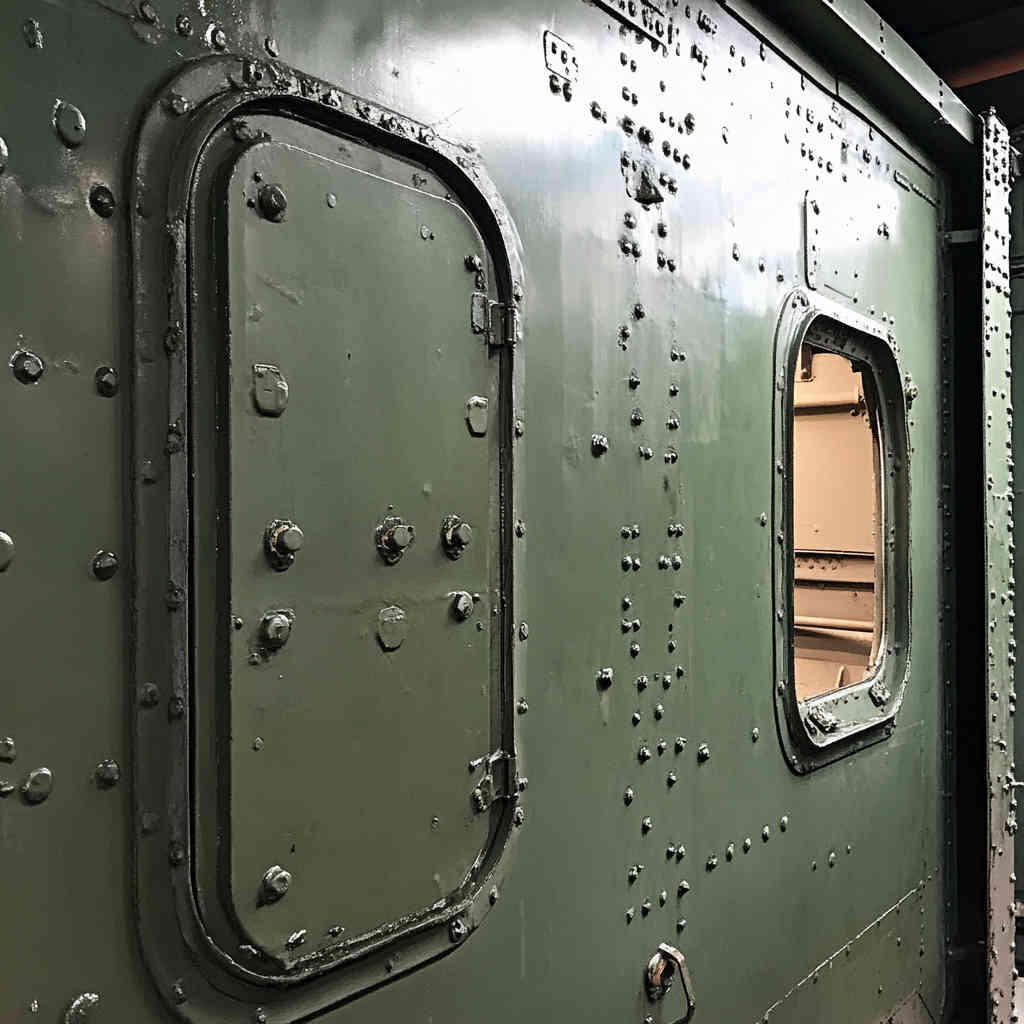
(107, 772)
(627, 797)
(104, 565)
(102, 201)
(69, 123)
(37, 786)
(273, 202)
(27, 367)
(107, 381)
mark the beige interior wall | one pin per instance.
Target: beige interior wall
(835, 525)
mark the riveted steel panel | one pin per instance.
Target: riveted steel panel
(999, 583)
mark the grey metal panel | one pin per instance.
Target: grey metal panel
(999, 586)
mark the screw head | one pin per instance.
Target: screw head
(104, 565)
(273, 202)
(275, 883)
(27, 367)
(107, 381)
(457, 930)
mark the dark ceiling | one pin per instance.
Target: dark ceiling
(977, 46)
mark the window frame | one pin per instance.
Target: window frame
(821, 729)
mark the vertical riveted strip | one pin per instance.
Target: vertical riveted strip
(998, 561)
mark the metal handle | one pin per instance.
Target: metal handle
(661, 970)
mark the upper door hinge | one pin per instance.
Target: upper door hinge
(498, 321)
(500, 780)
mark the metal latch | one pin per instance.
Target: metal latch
(499, 782)
(498, 321)
(666, 963)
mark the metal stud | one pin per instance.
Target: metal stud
(27, 367)
(273, 202)
(102, 201)
(104, 565)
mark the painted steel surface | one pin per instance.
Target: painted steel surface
(644, 213)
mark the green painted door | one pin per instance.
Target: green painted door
(348, 735)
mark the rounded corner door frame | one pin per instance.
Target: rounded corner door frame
(202, 123)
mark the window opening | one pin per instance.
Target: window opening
(837, 508)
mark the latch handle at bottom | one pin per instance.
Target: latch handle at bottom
(662, 969)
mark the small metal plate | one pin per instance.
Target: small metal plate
(560, 57)
(647, 18)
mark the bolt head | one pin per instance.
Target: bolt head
(276, 882)
(275, 629)
(462, 534)
(462, 607)
(273, 202)
(289, 539)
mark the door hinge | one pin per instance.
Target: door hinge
(499, 781)
(496, 320)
